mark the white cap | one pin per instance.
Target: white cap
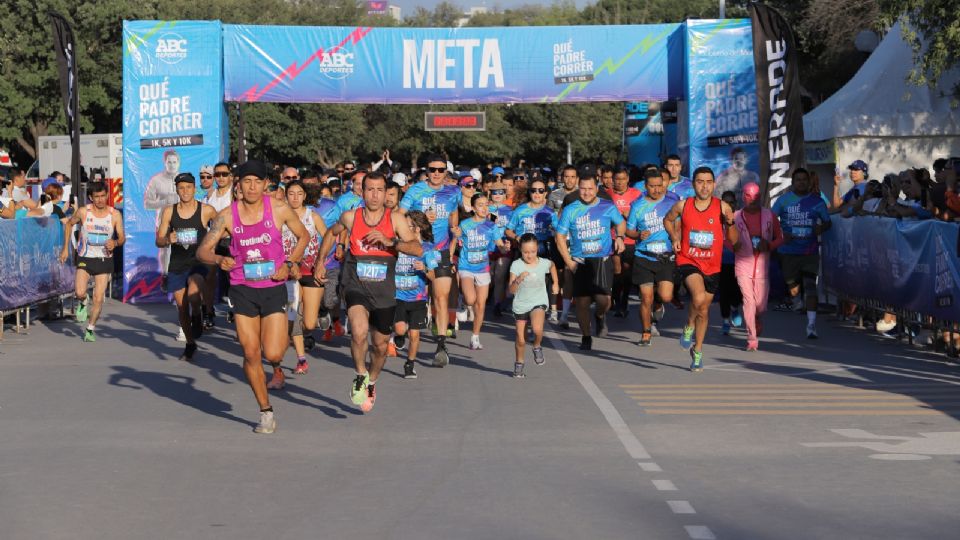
(476, 174)
(400, 178)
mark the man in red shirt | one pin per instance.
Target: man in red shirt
(623, 196)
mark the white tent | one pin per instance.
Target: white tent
(882, 119)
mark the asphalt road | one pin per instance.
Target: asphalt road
(846, 437)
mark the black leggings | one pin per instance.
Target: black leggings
(729, 292)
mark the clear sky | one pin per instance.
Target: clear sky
(407, 6)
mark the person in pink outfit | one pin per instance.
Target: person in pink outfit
(760, 233)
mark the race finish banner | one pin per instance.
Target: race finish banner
(721, 87)
(301, 64)
(173, 122)
(915, 264)
(778, 100)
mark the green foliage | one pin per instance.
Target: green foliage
(938, 21)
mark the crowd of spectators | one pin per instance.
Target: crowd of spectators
(16, 200)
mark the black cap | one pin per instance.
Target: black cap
(185, 177)
(252, 168)
(587, 171)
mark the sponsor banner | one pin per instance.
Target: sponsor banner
(722, 101)
(173, 122)
(820, 153)
(778, 100)
(30, 265)
(64, 46)
(650, 131)
(302, 64)
(909, 265)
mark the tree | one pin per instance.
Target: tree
(936, 22)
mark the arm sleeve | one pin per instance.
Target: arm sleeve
(615, 216)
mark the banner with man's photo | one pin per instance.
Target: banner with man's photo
(908, 265)
(722, 107)
(173, 122)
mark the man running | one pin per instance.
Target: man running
(220, 198)
(101, 232)
(679, 185)
(653, 262)
(367, 280)
(440, 203)
(623, 196)
(803, 216)
(258, 273)
(589, 221)
(698, 244)
(182, 228)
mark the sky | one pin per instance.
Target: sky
(408, 6)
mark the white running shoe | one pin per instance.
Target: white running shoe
(181, 337)
(268, 424)
(475, 343)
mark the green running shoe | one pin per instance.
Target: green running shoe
(686, 339)
(696, 364)
(88, 336)
(82, 311)
(358, 389)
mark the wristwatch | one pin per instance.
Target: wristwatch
(289, 264)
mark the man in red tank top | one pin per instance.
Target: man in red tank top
(697, 227)
(367, 281)
(623, 197)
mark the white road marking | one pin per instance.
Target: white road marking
(681, 507)
(627, 438)
(649, 467)
(699, 532)
(664, 485)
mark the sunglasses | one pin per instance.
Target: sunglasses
(221, 174)
(538, 190)
(498, 192)
(291, 177)
(469, 185)
(206, 176)
(519, 177)
(437, 169)
(271, 188)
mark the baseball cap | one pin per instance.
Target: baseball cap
(48, 182)
(476, 174)
(496, 170)
(399, 178)
(206, 169)
(185, 177)
(464, 174)
(587, 171)
(751, 192)
(859, 165)
(252, 168)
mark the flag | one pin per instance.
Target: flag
(778, 100)
(65, 48)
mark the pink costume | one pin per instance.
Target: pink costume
(752, 267)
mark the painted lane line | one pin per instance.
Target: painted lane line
(788, 412)
(664, 485)
(681, 507)
(649, 467)
(613, 417)
(699, 532)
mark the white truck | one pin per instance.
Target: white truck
(97, 152)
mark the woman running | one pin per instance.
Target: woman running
(528, 285)
(538, 218)
(479, 237)
(500, 261)
(412, 276)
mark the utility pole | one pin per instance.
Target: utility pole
(723, 9)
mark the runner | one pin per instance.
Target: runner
(803, 215)
(537, 218)
(258, 270)
(557, 199)
(654, 264)
(501, 212)
(698, 243)
(479, 237)
(528, 284)
(368, 280)
(588, 222)
(330, 323)
(412, 276)
(623, 196)
(307, 293)
(182, 228)
(729, 296)
(568, 175)
(101, 232)
(679, 185)
(440, 203)
(220, 198)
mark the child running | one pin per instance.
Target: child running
(479, 237)
(411, 278)
(528, 285)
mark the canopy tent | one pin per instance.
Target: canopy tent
(882, 119)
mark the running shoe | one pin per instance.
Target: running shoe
(538, 356)
(188, 352)
(230, 317)
(463, 315)
(889, 334)
(302, 367)
(812, 331)
(392, 350)
(686, 338)
(208, 320)
(358, 389)
(565, 325)
(554, 317)
(328, 334)
(82, 311)
(325, 322)
(88, 336)
(659, 313)
(338, 328)
(451, 331)
(433, 328)
(797, 304)
(752, 346)
(645, 338)
(370, 400)
(441, 358)
(737, 318)
(475, 343)
(785, 305)
(601, 325)
(726, 327)
(268, 424)
(409, 370)
(277, 381)
(518, 371)
(696, 361)
(586, 343)
(309, 342)
(654, 331)
(181, 336)
(620, 314)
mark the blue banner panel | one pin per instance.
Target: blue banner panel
(173, 122)
(909, 265)
(302, 64)
(722, 101)
(30, 265)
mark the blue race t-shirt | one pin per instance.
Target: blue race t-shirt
(349, 201)
(412, 283)
(444, 201)
(588, 227)
(539, 221)
(477, 240)
(502, 214)
(647, 215)
(683, 188)
(329, 211)
(798, 217)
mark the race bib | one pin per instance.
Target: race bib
(257, 270)
(701, 239)
(802, 232)
(187, 237)
(592, 247)
(476, 257)
(657, 247)
(372, 271)
(97, 239)
(408, 283)
(756, 241)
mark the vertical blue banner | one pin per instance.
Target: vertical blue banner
(722, 101)
(173, 122)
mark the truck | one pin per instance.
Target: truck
(98, 152)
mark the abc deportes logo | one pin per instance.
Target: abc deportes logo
(337, 65)
(171, 48)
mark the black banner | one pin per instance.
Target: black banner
(778, 100)
(65, 48)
